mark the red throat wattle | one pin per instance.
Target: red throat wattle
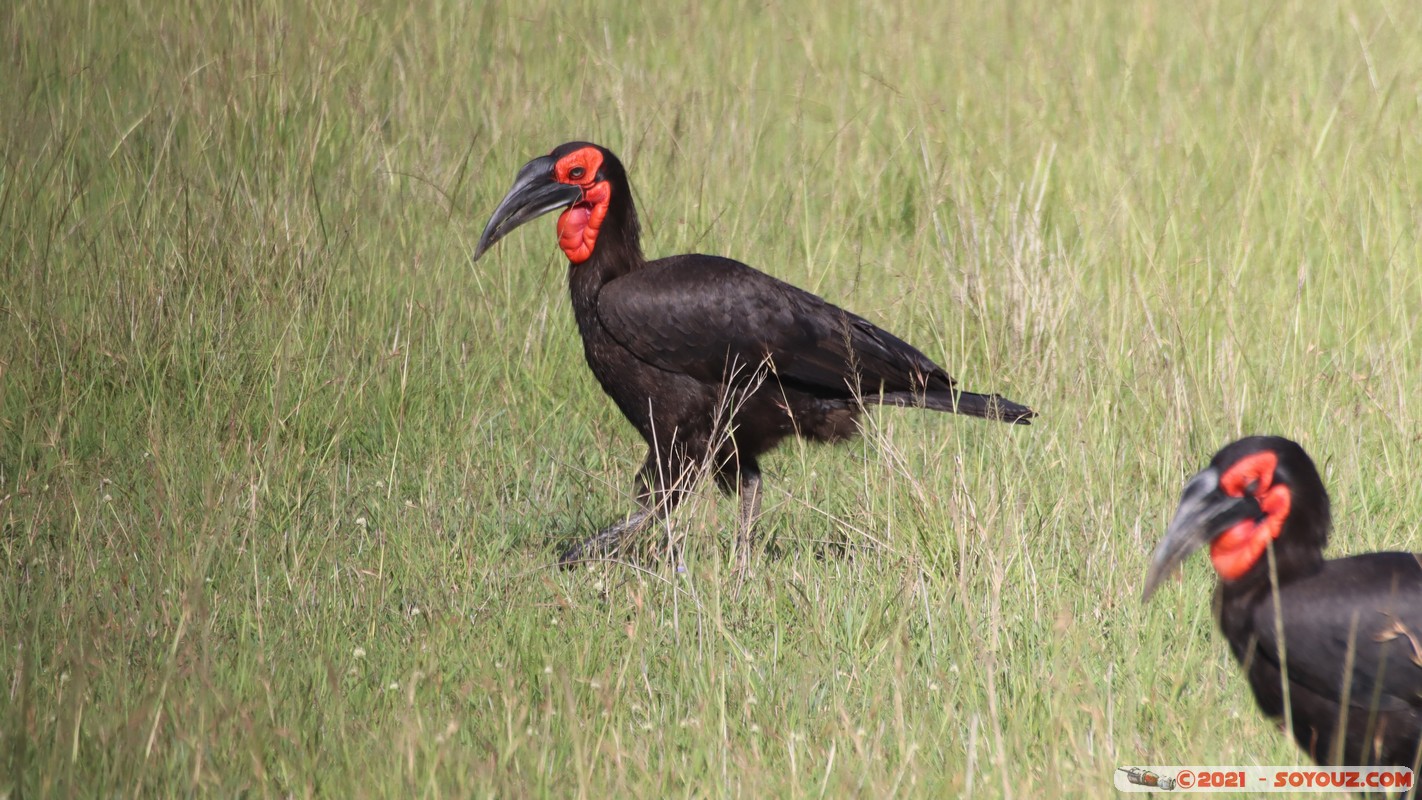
(1238, 549)
(579, 225)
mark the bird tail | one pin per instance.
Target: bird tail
(986, 406)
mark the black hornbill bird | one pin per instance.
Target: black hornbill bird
(710, 360)
(1349, 638)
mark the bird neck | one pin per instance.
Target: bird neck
(1237, 602)
(618, 251)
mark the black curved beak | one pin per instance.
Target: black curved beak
(1205, 512)
(534, 194)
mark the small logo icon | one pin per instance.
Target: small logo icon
(1143, 777)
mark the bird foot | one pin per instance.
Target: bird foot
(740, 573)
(739, 576)
(604, 542)
(591, 549)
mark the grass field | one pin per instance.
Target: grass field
(282, 472)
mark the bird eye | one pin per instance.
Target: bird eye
(576, 173)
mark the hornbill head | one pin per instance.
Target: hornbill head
(580, 177)
(1255, 491)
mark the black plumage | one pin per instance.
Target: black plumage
(1351, 627)
(712, 362)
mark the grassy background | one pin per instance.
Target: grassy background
(282, 472)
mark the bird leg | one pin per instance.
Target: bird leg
(742, 475)
(749, 488)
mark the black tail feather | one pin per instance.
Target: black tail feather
(986, 406)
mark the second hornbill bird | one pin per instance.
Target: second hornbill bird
(1340, 641)
(713, 362)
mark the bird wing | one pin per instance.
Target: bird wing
(705, 317)
(1372, 603)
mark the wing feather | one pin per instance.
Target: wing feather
(702, 316)
(1371, 604)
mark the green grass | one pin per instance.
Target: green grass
(282, 473)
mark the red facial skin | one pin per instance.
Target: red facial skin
(1238, 549)
(579, 225)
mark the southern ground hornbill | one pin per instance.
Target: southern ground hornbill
(712, 361)
(1345, 654)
